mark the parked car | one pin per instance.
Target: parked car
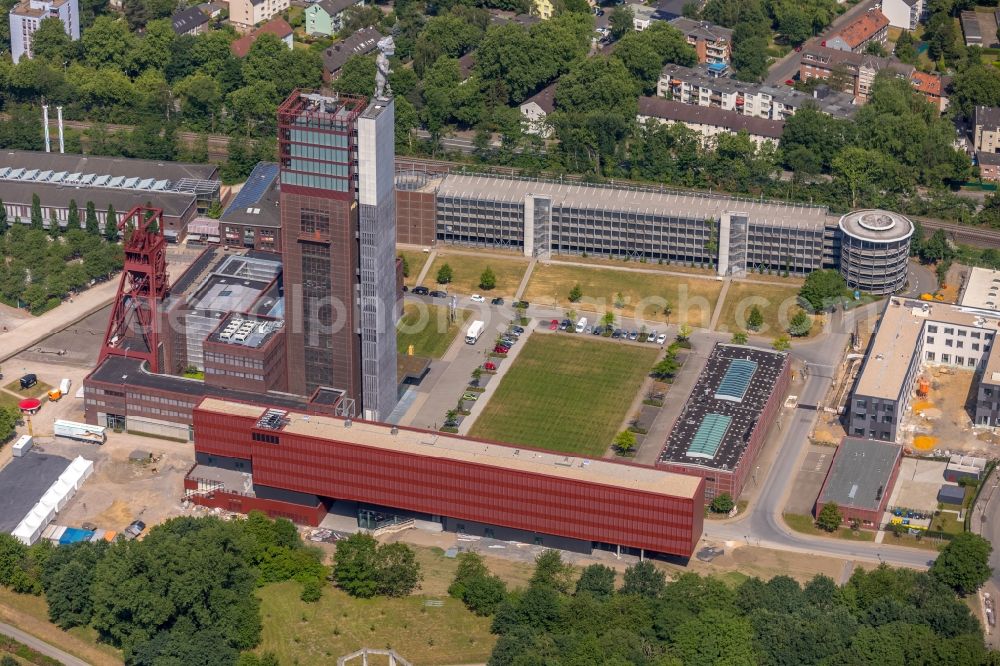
(471, 396)
(134, 529)
(634, 335)
(589, 329)
(565, 325)
(554, 325)
(507, 342)
(476, 298)
(661, 338)
(451, 423)
(617, 333)
(439, 294)
(405, 289)
(497, 301)
(489, 365)
(598, 330)
(652, 336)
(500, 349)
(28, 381)
(517, 330)
(421, 291)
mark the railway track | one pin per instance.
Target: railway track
(961, 233)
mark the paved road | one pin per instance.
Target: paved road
(41, 646)
(763, 525)
(985, 521)
(922, 279)
(788, 67)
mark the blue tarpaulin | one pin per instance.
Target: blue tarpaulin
(75, 535)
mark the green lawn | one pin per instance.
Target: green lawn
(319, 633)
(468, 268)
(777, 303)
(427, 328)
(691, 298)
(37, 391)
(587, 384)
(415, 261)
(807, 525)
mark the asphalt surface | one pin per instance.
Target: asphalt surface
(40, 646)
(23, 482)
(985, 521)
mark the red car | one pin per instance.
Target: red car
(489, 366)
(554, 325)
(789, 82)
(500, 349)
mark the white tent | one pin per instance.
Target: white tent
(29, 530)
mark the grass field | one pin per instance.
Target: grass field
(37, 391)
(692, 299)
(318, 633)
(467, 268)
(427, 328)
(807, 525)
(776, 302)
(415, 260)
(589, 383)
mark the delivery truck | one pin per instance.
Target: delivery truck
(60, 390)
(476, 329)
(83, 432)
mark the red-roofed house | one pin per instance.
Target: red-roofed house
(277, 26)
(932, 87)
(872, 26)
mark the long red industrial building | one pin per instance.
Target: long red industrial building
(300, 466)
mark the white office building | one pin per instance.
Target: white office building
(27, 15)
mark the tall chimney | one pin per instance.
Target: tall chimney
(45, 122)
(62, 147)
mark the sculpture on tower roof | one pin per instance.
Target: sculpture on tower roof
(386, 49)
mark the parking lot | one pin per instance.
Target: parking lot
(809, 480)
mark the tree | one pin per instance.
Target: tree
(91, 224)
(4, 225)
(597, 580)
(54, 228)
(667, 367)
(974, 86)
(355, 565)
(621, 21)
(644, 579)
(781, 343)
(723, 503)
(750, 52)
(624, 442)
(936, 248)
(111, 225)
(398, 570)
(487, 279)
(963, 564)
(608, 319)
(50, 40)
(36, 213)
(905, 49)
(445, 274)
(484, 594)
(405, 265)
(470, 567)
(829, 518)
(576, 293)
(552, 572)
(755, 319)
(822, 289)
(739, 338)
(876, 49)
(800, 325)
(73, 216)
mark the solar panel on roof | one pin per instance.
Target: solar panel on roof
(88, 178)
(16, 174)
(708, 438)
(146, 183)
(115, 181)
(72, 178)
(260, 179)
(130, 183)
(58, 177)
(736, 381)
(160, 185)
(43, 176)
(4, 172)
(29, 175)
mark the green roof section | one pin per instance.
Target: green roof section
(736, 381)
(708, 438)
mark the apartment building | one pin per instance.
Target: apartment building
(905, 14)
(986, 129)
(543, 9)
(932, 87)
(536, 109)
(711, 42)
(277, 26)
(245, 14)
(27, 15)
(709, 122)
(910, 336)
(871, 27)
(856, 71)
(699, 87)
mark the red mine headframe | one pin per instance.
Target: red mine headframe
(134, 326)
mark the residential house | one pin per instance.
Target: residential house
(986, 129)
(543, 9)
(931, 86)
(711, 42)
(709, 122)
(362, 42)
(905, 14)
(26, 16)
(644, 15)
(536, 109)
(989, 166)
(870, 27)
(466, 64)
(212, 9)
(326, 17)
(855, 70)
(245, 14)
(190, 21)
(277, 26)
(699, 88)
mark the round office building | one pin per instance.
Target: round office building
(874, 250)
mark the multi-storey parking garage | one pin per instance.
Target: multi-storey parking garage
(735, 236)
(874, 249)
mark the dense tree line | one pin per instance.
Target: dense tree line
(182, 595)
(884, 616)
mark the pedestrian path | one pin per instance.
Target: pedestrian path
(427, 267)
(719, 304)
(525, 278)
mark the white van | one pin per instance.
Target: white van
(581, 325)
(475, 331)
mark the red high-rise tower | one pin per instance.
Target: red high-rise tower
(134, 326)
